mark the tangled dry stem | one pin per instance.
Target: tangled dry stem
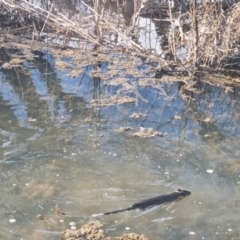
(214, 34)
(208, 34)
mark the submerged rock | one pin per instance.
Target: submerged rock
(93, 230)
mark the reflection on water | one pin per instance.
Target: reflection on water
(62, 161)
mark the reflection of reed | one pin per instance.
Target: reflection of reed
(41, 94)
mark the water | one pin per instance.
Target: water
(59, 152)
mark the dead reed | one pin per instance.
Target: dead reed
(199, 34)
(213, 33)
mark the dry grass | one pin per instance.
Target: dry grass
(218, 35)
(202, 35)
(213, 36)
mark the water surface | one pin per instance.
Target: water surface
(58, 151)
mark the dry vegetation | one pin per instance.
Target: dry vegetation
(198, 39)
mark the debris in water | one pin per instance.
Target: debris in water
(40, 217)
(123, 129)
(147, 132)
(93, 230)
(177, 117)
(137, 115)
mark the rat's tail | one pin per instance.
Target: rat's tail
(113, 212)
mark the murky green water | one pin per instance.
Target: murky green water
(55, 150)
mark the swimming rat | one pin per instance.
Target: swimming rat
(150, 202)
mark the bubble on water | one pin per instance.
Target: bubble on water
(12, 220)
(210, 170)
(61, 221)
(192, 233)
(229, 229)
(72, 224)
(127, 228)
(73, 227)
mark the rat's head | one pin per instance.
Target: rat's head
(183, 193)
